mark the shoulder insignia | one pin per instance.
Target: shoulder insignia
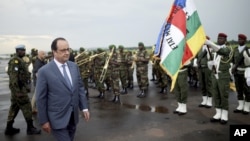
(16, 61)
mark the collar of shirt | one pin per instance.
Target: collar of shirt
(59, 65)
(240, 48)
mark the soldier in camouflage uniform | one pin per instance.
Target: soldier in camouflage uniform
(114, 66)
(130, 70)
(220, 77)
(99, 63)
(142, 59)
(34, 53)
(162, 78)
(18, 75)
(84, 68)
(122, 61)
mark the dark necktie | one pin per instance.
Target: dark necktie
(66, 77)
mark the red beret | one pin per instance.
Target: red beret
(222, 35)
(242, 36)
(207, 37)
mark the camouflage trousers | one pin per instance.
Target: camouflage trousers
(142, 76)
(115, 82)
(17, 103)
(123, 77)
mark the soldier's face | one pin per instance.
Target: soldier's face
(21, 52)
(241, 42)
(62, 52)
(221, 40)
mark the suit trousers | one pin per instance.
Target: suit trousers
(67, 133)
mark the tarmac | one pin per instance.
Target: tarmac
(135, 119)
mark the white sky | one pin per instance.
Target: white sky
(99, 23)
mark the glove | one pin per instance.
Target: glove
(248, 81)
(210, 64)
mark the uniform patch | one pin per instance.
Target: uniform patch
(16, 68)
(16, 61)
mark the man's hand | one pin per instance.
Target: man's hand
(86, 115)
(46, 127)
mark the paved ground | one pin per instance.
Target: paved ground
(147, 119)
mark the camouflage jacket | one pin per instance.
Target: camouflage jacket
(19, 76)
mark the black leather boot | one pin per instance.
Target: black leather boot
(10, 130)
(31, 130)
(142, 95)
(116, 99)
(124, 91)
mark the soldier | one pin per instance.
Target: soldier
(99, 63)
(122, 61)
(203, 57)
(162, 78)
(142, 59)
(84, 68)
(181, 89)
(18, 75)
(130, 70)
(114, 66)
(34, 53)
(220, 77)
(243, 91)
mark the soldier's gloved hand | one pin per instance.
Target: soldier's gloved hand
(248, 81)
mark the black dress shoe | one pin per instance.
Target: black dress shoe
(181, 113)
(237, 111)
(214, 120)
(176, 112)
(208, 106)
(245, 112)
(223, 122)
(201, 105)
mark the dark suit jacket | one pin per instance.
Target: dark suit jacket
(55, 100)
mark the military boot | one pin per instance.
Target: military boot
(124, 90)
(31, 130)
(142, 95)
(116, 99)
(10, 130)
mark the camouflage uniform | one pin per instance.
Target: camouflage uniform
(33, 57)
(99, 63)
(18, 76)
(84, 68)
(142, 59)
(114, 66)
(122, 61)
(130, 70)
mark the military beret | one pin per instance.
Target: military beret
(20, 46)
(140, 44)
(222, 35)
(207, 37)
(242, 36)
(121, 47)
(111, 46)
(82, 49)
(33, 49)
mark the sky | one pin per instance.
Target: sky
(99, 23)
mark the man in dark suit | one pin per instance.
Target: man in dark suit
(60, 94)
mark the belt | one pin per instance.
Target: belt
(241, 69)
(203, 66)
(182, 70)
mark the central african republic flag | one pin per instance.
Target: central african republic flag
(180, 38)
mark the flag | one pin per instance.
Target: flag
(180, 38)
